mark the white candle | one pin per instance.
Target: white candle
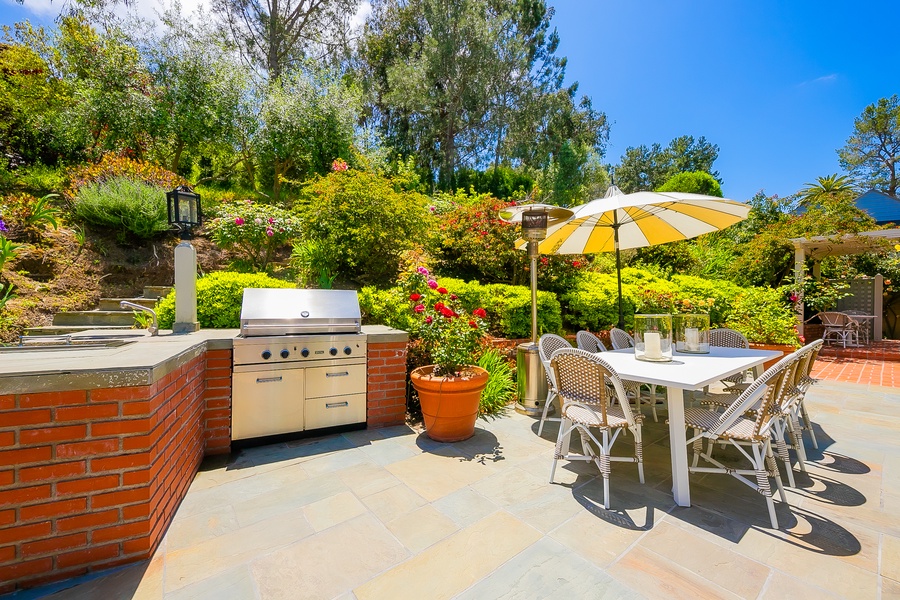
(652, 347)
(692, 339)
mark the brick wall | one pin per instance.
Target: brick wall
(387, 384)
(90, 479)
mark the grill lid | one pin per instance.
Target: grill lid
(275, 311)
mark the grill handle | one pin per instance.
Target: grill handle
(268, 379)
(337, 404)
(341, 374)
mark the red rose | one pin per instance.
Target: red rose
(442, 290)
(419, 308)
(439, 306)
(473, 324)
(414, 296)
(480, 312)
(447, 312)
(454, 297)
(428, 320)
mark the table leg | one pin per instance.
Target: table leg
(678, 446)
(758, 370)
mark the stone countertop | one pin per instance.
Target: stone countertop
(142, 361)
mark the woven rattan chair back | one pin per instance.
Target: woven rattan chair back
(620, 339)
(772, 382)
(588, 341)
(727, 338)
(584, 377)
(547, 345)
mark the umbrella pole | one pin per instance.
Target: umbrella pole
(618, 268)
(533, 255)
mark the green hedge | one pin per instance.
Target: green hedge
(762, 316)
(508, 307)
(698, 288)
(219, 297)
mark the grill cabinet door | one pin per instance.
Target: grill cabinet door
(266, 402)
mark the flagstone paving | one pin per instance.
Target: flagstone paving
(390, 514)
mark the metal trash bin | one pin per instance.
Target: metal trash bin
(530, 379)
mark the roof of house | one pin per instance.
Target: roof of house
(880, 206)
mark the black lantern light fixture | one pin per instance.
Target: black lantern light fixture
(184, 209)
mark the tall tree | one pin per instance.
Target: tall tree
(873, 150)
(644, 168)
(828, 190)
(200, 89)
(276, 35)
(459, 83)
(307, 122)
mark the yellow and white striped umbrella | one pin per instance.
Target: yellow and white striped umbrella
(642, 219)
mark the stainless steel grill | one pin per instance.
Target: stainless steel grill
(299, 362)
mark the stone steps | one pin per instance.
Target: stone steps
(109, 315)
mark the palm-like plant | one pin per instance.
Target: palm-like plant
(828, 190)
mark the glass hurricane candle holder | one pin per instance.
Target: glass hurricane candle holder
(691, 333)
(653, 337)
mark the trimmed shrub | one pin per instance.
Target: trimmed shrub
(698, 289)
(508, 307)
(762, 315)
(124, 205)
(219, 297)
(362, 224)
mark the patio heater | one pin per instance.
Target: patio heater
(184, 213)
(531, 383)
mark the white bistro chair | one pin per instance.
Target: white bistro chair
(587, 387)
(547, 345)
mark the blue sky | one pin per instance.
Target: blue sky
(775, 84)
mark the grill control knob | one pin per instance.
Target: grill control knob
(347, 350)
(305, 352)
(285, 353)
(333, 352)
(266, 355)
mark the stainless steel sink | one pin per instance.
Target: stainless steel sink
(72, 342)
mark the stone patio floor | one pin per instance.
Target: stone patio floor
(389, 514)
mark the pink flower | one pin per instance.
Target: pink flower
(428, 320)
(432, 284)
(419, 308)
(339, 165)
(422, 271)
(271, 220)
(239, 221)
(794, 297)
(258, 221)
(269, 232)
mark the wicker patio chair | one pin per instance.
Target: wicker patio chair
(588, 341)
(585, 382)
(862, 326)
(547, 345)
(620, 339)
(839, 328)
(732, 427)
(724, 337)
(805, 380)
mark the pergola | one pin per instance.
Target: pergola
(819, 247)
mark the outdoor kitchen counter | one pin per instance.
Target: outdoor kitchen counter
(146, 360)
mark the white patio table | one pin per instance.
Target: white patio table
(685, 372)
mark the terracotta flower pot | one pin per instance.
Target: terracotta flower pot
(785, 349)
(449, 404)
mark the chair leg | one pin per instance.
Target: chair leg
(639, 451)
(796, 437)
(550, 396)
(561, 440)
(783, 454)
(698, 448)
(762, 479)
(772, 468)
(604, 468)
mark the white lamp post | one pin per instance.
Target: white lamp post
(184, 213)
